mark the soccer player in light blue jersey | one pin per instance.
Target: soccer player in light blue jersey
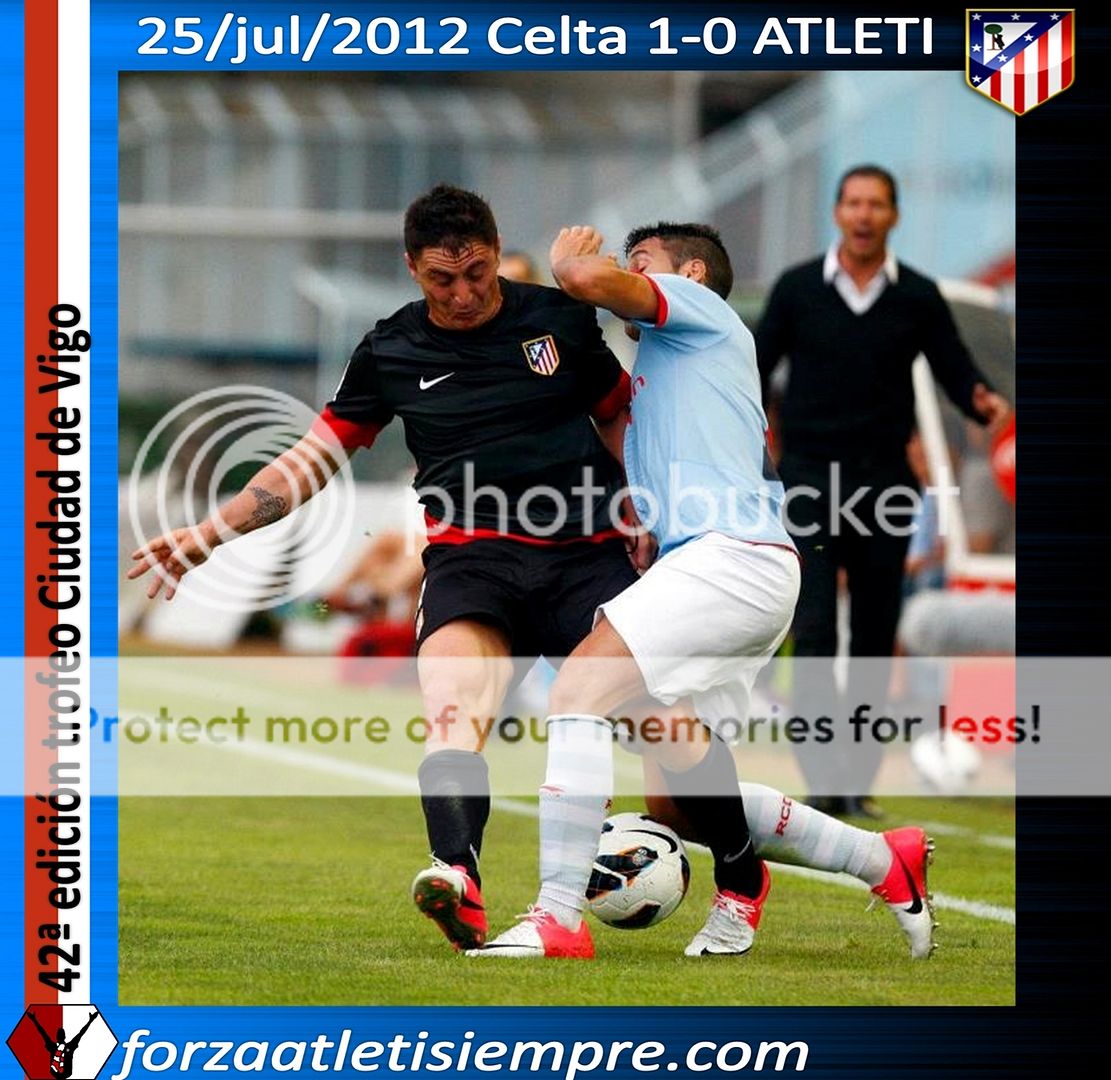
(707, 614)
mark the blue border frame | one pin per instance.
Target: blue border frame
(11, 509)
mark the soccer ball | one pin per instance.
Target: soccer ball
(641, 872)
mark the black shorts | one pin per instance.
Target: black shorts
(542, 597)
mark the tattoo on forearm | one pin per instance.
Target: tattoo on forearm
(269, 508)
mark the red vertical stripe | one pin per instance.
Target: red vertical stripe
(1020, 82)
(996, 82)
(41, 294)
(1066, 51)
(1043, 67)
(27, 1043)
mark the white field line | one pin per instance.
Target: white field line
(408, 785)
(941, 901)
(223, 689)
(230, 691)
(939, 828)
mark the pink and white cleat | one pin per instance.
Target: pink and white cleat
(905, 890)
(730, 928)
(449, 896)
(540, 935)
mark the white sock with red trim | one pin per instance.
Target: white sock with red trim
(785, 830)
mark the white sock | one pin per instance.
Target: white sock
(576, 794)
(785, 830)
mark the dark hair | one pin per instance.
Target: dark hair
(448, 217)
(873, 172)
(689, 240)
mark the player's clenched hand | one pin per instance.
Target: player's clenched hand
(574, 241)
(172, 556)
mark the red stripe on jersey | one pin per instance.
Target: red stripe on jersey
(661, 311)
(328, 426)
(453, 534)
(615, 402)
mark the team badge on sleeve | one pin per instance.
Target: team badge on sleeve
(541, 354)
(1020, 59)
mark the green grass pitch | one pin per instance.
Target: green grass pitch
(305, 901)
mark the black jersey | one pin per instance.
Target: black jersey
(505, 406)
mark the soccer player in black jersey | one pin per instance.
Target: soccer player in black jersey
(514, 410)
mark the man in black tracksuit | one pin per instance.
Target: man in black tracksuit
(851, 325)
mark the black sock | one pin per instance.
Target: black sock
(709, 797)
(455, 797)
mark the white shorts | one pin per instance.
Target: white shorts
(705, 619)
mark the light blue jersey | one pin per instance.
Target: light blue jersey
(695, 451)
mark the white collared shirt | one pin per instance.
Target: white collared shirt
(858, 300)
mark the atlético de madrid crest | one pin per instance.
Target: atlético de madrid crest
(541, 354)
(1020, 59)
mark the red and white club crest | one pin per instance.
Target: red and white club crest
(1020, 59)
(541, 354)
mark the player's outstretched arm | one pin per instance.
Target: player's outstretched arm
(582, 272)
(290, 480)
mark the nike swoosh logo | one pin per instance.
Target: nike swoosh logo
(736, 855)
(916, 903)
(427, 384)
